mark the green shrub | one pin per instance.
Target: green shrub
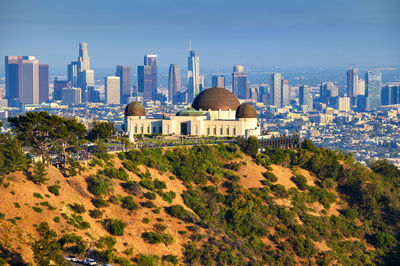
(96, 213)
(270, 176)
(133, 187)
(38, 195)
(16, 205)
(145, 220)
(159, 184)
(37, 209)
(171, 259)
(99, 202)
(167, 196)
(154, 238)
(77, 208)
(150, 195)
(99, 185)
(159, 227)
(47, 204)
(114, 226)
(129, 203)
(54, 189)
(147, 260)
(300, 181)
(56, 219)
(148, 204)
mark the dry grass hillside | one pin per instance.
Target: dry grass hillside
(26, 204)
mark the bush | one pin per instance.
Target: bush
(56, 219)
(96, 213)
(113, 173)
(270, 176)
(77, 208)
(54, 189)
(300, 181)
(147, 260)
(114, 226)
(99, 185)
(37, 209)
(168, 196)
(133, 187)
(107, 241)
(159, 184)
(38, 195)
(159, 227)
(155, 238)
(129, 203)
(16, 204)
(99, 202)
(148, 204)
(249, 146)
(181, 213)
(150, 195)
(171, 259)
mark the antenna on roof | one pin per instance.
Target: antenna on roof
(190, 45)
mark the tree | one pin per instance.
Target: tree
(11, 156)
(101, 131)
(43, 133)
(249, 146)
(39, 173)
(46, 248)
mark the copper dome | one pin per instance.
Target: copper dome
(246, 110)
(135, 109)
(215, 99)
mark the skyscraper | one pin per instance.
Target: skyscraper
(73, 73)
(152, 60)
(240, 82)
(30, 81)
(144, 82)
(85, 76)
(276, 89)
(193, 75)
(13, 69)
(58, 86)
(43, 83)
(373, 81)
(305, 98)
(352, 82)
(112, 90)
(174, 82)
(71, 96)
(124, 74)
(218, 81)
(285, 93)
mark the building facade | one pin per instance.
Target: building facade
(112, 90)
(124, 74)
(174, 83)
(240, 82)
(193, 75)
(43, 83)
(218, 81)
(276, 89)
(373, 81)
(214, 112)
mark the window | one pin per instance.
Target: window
(215, 131)
(227, 131)
(160, 130)
(154, 130)
(141, 129)
(208, 131)
(148, 130)
(135, 129)
(234, 131)
(221, 131)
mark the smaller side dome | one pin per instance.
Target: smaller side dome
(135, 109)
(246, 110)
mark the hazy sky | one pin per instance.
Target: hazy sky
(262, 33)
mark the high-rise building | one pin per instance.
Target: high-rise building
(327, 91)
(361, 87)
(73, 73)
(13, 71)
(85, 76)
(174, 83)
(112, 90)
(43, 83)
(193, 75)
(124, 74)
(30, 81)
(152, 61)
(343, 104)
(144, 82)
(71, 96)
(305, 98)
(276, 89)
(218, 81)
(285, 93)
(58, 86)
(390, 95)
(240, 82)
(373, 81)
(352, 83)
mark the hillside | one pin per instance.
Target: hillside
(206, 205)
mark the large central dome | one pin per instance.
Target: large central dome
(215, 99)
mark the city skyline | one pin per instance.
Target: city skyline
(311, 34)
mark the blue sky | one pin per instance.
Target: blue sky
(261, 33)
